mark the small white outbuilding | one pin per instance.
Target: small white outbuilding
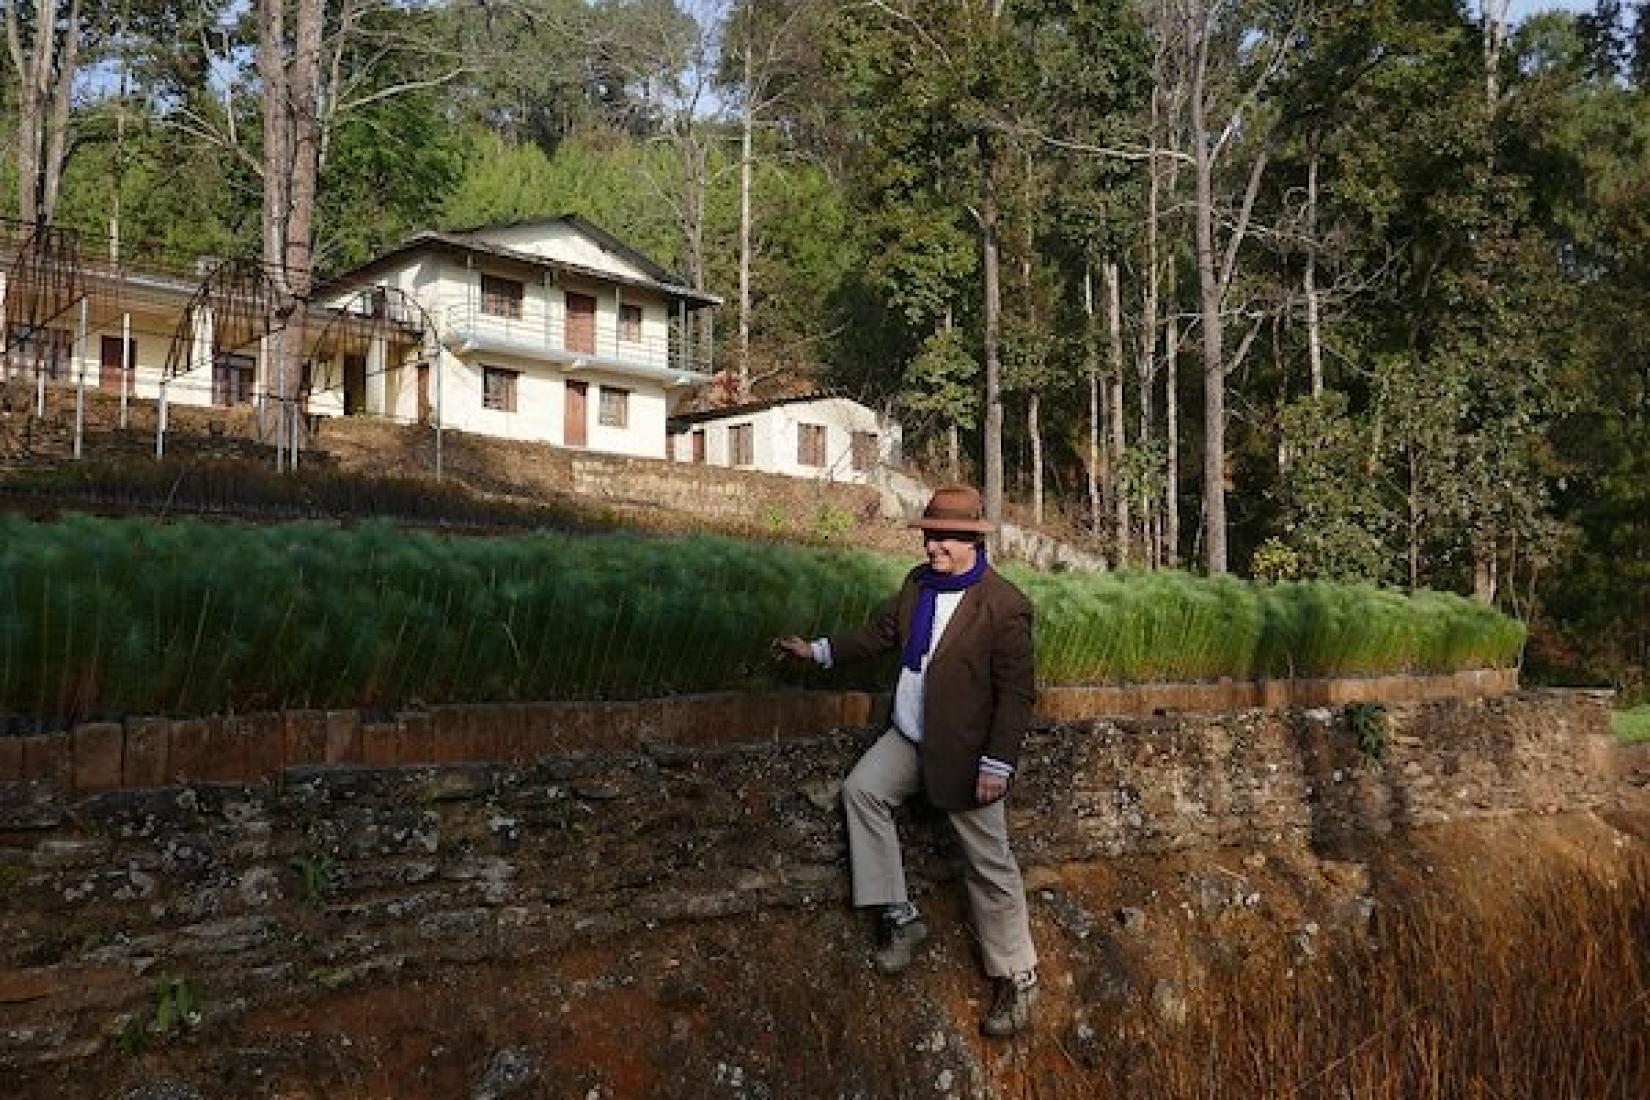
(814, 435)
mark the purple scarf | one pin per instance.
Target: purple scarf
(929, 585)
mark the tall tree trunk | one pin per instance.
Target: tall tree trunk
(1171, 431)
(291, 103)
(747, 127)
(1034, 427)
(1493, 17)
(992, 429)
(118, 184)
(1414, 524)
(57, 123)
(44, 68)
(1494, 12)
(1146, 357)
(1033, 396)
(1314, 331)
(1119, 441)
(1092, 344)
(1214, 366)
(1165, 130)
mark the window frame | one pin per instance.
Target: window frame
(490, 295)
(234, 377)
(630, 323)
(863, 450)
(511, 394)
(812, 445)
(622, 397)
(745, 455)
(48, 350)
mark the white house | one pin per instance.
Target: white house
(816, 435)
(549, 330)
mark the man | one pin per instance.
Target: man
(961, 706)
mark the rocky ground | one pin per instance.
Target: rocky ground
(783, 1002)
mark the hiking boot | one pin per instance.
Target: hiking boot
(1011, 1001)
(897, 943)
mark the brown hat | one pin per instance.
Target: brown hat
(954, 508)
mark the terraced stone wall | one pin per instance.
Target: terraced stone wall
(322, 875)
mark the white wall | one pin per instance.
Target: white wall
(775, 438)
(151, 332)
(560, 241)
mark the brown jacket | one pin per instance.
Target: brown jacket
(979, 687)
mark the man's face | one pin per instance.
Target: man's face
(949, 552)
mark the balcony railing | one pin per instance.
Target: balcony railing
(539, 333)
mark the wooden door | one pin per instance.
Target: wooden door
(581, 323)
(423, 393)
(699, 446)
(108, 377)
(355, 384)
(573, 426)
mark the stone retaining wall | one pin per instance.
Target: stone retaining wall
(151, 752)
(256, 892)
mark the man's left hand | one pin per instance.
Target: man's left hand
(988, 787)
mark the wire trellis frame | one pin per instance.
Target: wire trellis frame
(237, 306)
(392, 320)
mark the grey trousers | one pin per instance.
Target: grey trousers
(888, 774)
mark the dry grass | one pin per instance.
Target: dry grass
(1539, 994)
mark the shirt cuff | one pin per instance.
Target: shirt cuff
(822, 652)
(990, 765)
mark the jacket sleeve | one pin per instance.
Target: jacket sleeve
(1013, 683)
(879, 634)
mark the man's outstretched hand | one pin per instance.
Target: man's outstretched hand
(793, 646)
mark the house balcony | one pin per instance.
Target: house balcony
(658, 352)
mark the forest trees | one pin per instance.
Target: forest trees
(1184, 276)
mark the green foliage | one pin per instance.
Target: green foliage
(387, 172)
(831, 524)
(611, 179)
(1174, 626)
(1316, 628)
(941, 382)
(1273, 561)
(1632, 724)
(1336, 525)
(177, 1010)
(1143, 626)
(1368, 722)
(315, 878)
(107, 617)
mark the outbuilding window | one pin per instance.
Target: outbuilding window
(863, 449)
(810, 444)
(741, 445)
